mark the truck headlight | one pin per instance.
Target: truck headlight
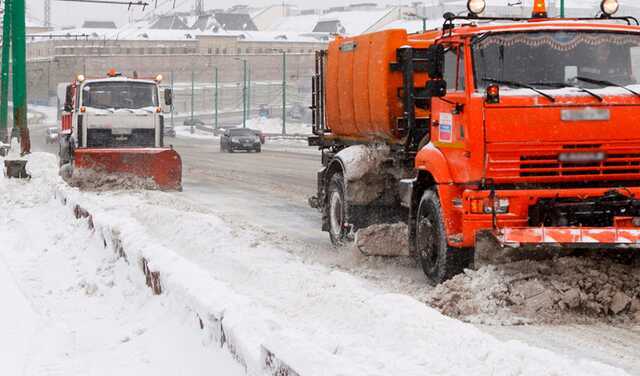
(484, 206)
(476, 6)
(609, 7)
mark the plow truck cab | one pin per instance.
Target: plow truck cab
(522, 130)
(115, 126)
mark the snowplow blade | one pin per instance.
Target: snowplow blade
(601, 237)
(162, 165)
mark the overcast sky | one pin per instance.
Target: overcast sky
(74, 14)
(66, 13)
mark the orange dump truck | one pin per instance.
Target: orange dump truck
(522, 130)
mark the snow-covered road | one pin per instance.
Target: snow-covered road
(243, 220)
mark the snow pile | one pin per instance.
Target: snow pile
(383, 240)
(562, 290)
(91, 180)
(274, 126)
(184, 131)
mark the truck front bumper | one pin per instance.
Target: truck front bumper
(514, 228)
(571, 237)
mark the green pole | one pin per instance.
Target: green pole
(561, 8)
(216, 99)
(244, 94)
(193, 91)
(6, 57)
(284, 92)
(173, 95)
(19, 66)
(249, 92)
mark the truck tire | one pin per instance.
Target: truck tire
(439, 261)
(335, 208)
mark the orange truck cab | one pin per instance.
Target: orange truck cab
(520, 129)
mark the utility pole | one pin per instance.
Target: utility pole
(244, 94)
(6, 57)
(215, 96)
(284, 92)
(173, 98)
(193, 92)
(561, 8)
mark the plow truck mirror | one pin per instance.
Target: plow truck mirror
(168, 97)
(68, 99)
(435, 61)
(437, 88)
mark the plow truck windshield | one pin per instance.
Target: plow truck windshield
(556, 59)
(120, 95)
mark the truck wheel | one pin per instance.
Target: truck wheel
(336, 210)
(439, 261)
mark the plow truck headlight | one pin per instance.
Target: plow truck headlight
(609, 7)
(476, 6)
(484, 206)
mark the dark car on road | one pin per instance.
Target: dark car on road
(52, 135)
(240, 139)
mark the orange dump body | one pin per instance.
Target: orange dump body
(362, 99)
(163, 165)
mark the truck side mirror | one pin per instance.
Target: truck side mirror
(68, 99)
(436, 88)
(168, 97)
(435, 61)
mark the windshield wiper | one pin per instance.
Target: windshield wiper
(606, 83)
(518, 84)
(560, 85)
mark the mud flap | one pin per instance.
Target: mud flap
(163, 165)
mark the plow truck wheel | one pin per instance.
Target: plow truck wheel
(336, 210)
(439, 261)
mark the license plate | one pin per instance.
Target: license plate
(582, 157)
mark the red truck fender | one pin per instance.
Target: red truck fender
(432, 160)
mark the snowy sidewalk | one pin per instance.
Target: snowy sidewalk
(70, 307)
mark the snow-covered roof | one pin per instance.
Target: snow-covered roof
(353, 22)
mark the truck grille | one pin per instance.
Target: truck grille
(543, 163)
(105, 139)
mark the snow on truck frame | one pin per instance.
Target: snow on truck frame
(115, 126)
(520, 129)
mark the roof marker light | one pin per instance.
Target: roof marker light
(609, 7)
(539, 9)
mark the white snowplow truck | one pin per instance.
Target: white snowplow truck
(116, 125)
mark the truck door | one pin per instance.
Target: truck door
(450, 120)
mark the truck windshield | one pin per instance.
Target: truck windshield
(554, 58)
(119, 95)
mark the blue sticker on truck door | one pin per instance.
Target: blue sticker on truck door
(445, 129)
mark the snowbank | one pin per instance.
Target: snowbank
(271, 309)
(274, 126)
(71, 307)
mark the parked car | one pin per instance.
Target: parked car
(169, 131)
(52, 135)
(240, 139)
